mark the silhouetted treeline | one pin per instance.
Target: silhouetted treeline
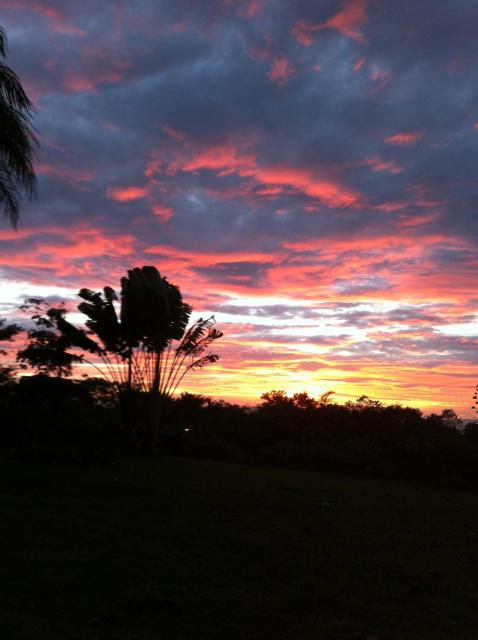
(71, 421)
(46, 419)
(362, 437)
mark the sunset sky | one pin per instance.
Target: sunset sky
(305, 170)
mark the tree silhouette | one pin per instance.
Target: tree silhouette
(7, 332)
(17, 140)
(137, 347)
(475, 400)
(47, 348)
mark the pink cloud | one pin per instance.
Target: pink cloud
(416, 220)
(77, 81)
(179, 26)
(351, 16)
(381, 77)
(89, 243)
(404, 139)
(302, 31)
(174, 134)
(227, 159)
(94, 68)
(253, 9)
(377, 164)
(391, 206)
(66, 252)
(163, 214)
(126, 194)
(346, 21)
(330, 192)
(210, 259)
(60, 20)
(65, 173)
(359, 64)
(281, 71)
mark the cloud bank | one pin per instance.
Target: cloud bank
(306, 171)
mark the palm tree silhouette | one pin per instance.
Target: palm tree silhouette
(145, 349)
(17, 140)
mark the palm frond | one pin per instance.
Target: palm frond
(75, 337)
(203, 361)
(198, 338)
(12, 91)
(9, 198)
(197, 330)
(102, 319)
(3, 43)
(152, 309)
(17, 140)
(17, 148)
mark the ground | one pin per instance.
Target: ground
(178, 549)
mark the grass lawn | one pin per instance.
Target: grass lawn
(181, 549)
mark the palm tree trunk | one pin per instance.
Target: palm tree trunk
(155, 405)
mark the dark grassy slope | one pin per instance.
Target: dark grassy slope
(182, 549)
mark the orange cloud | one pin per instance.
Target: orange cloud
(281, 71)
(404, 139)
(352, 15)
(126, 194)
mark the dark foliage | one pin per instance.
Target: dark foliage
(57, 420)
(47, 349)
(362, 437)
(17, 140)
(61, 420)
(7, 332)
(146, 350)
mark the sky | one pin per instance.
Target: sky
(305, 170)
